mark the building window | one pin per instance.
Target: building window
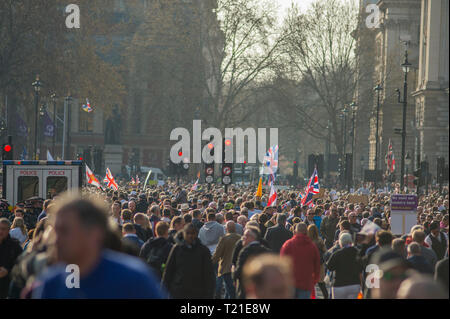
(86, 123)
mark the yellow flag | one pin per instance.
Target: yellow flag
(259, 191)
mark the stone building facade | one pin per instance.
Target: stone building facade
(431, 94)
(398, 32)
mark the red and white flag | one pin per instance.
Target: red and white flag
(137, 180)
(195, 186)
(109, 179)
(133, 182)
(272, 197)
(91, 179)
(390, 159)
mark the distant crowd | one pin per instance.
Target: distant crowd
(174, 242)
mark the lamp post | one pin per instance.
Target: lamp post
(361, 161)
(66, 135)
(328, 148)
(354, 107)
(408, 163)
(377, 89)
(42, 111)
(406, 66)
(53, 96)
(37, 88)
(344, 161)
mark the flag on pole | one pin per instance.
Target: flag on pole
(110, 180)
(311, 189)
(91, 179)
(271, 161)
(137, 180)
(49, 126)
(24, 154)
(195, 186)
(390, 159)
(272, 197)
(21, 125)
(259, 190)
(133, 182)
(146, 179)
(49, 156)
(87, 107)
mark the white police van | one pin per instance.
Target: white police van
(26, 179)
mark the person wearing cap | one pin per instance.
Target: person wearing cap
(184, 208)
(437, 240)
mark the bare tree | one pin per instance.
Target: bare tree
(319, 49)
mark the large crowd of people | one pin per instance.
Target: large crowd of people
(174, 242)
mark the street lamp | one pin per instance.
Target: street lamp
(344, 161)
(328, 148)
(53, 96)
(408, 163)
(361, 161)
(406, 67)
(354, 108)
(37, 88)
(377, 89)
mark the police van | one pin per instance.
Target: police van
(44, 179)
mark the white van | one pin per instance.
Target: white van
(45, 179)
(157, 176)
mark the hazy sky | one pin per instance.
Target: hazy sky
(284, 4)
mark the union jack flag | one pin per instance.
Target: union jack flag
(390, 159)
(271, 161)
(87, 107)
(312, 189)
(109, 179)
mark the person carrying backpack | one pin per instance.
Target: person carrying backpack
(155, 251)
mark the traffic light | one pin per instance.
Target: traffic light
(7, 152)
(441, 178)
(417, 174)
(227, 168)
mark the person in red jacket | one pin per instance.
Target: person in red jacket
(305, 261)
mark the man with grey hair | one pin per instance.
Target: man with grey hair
(305, 261)
(242, 220)
(277, 235)
(417, 261)
(251, 248)
(223, 256)
(347, 268)
(10, 249)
